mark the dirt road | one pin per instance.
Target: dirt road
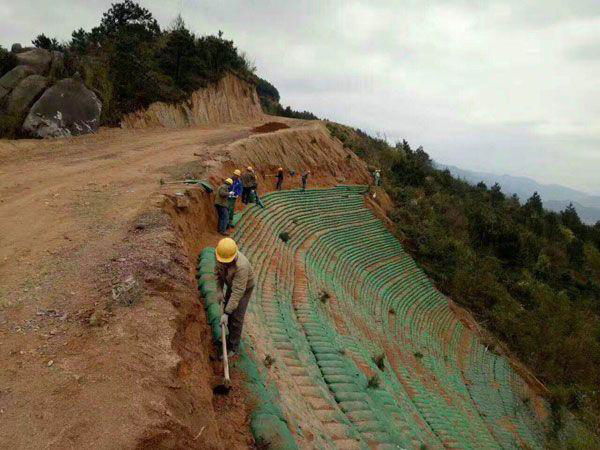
(94, 293)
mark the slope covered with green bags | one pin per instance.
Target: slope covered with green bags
(362, 340)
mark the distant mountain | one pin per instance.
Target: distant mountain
(555, 197)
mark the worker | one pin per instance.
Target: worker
(234, 273)
(279, 177)
(377, 177)
(235, 191)
(221, 198)
(305, 176)
(249, 184)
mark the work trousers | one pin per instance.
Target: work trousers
(236, 320)
(222, 218)
(246, 194)
(231, 207)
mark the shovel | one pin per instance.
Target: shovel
(225, 387)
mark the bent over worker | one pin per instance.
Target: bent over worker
(233, 272)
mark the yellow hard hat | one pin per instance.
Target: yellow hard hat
(226, 250)
(249, 168)
(280, 169)
(237, 172)
(228, 181)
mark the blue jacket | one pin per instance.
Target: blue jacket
(236, 187)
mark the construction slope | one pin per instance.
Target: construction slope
(230, 100)
(356, 347)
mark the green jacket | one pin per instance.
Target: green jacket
(222, 195)
(238, 277)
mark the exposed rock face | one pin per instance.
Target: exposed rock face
(66, 109)
(23, 96)
(38, 59)
(11, 79)
(229, 100)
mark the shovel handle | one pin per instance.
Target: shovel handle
(225, 358)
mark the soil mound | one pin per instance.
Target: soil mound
(270, 127)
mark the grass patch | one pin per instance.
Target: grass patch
(373, 382)
(324, 297)
(268, 361)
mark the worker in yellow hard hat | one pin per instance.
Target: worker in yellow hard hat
(222, 207)
(279, 177)
(235, 191)
(249, 184)
(234, 273)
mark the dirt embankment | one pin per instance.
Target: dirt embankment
(230, 100)
(103, 339)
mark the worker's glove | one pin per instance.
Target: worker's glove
(232, 195)
(225, 319)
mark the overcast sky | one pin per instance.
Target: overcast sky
(508, 86)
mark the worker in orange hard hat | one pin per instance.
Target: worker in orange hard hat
(233, 272)
(279, 177)
(221, 197)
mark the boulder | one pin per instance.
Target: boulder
(38, 59)
(66, 109)
(26, 92)
(10, 79)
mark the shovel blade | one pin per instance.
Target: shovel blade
(222, 389)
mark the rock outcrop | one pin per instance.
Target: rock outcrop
(230, 100)
(38, 59)
(11, 79)
(26, 92)
(66, 109)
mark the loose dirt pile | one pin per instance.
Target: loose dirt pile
(269, 127)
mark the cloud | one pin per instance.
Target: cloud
(506, 86)
(589, 51)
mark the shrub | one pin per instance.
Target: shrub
(7, 61)
(373, 382)
(10, 125)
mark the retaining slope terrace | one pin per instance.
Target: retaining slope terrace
(340, 293)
